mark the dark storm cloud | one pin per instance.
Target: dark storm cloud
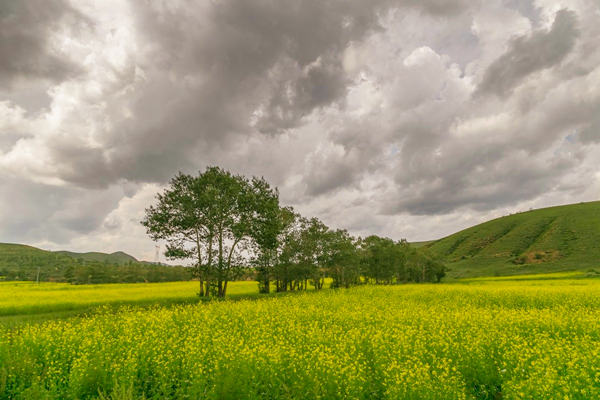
(591, 131)
(87, 166)
(40, 211)
(216, 73)
(514, 159)
(329, 174)
(528, 54)
(482, 186)
(362, 112)
(508, 159)
(25, 50)
(279, 61)
(317, 86)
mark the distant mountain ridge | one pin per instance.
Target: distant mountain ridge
(118, 257)
(28, 263)
(537, 241)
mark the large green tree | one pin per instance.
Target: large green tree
(215, 219)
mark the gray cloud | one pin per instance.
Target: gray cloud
(528, 54)
(317, 85)
(36, 211)
(25, 49)
(222, 72)
(253, 63)
(484, 185)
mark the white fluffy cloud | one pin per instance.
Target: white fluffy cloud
(399, 118)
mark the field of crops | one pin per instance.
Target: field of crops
(28, 299)
(494, 339)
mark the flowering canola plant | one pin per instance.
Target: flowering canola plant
(30, 298)
(498, 340)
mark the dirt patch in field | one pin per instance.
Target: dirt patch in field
(538, 257)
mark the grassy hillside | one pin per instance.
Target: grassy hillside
(18, 261)
(544, 240)
(118, 258)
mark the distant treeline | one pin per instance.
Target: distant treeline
(221, 222)
(21, 263)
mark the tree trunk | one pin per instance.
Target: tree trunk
(220, 267)
(227, 266)
(199, 255)
(209, 264)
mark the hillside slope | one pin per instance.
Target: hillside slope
(18, 261)
(544, 240)
(119, 257)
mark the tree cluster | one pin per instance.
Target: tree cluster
(226, 223)
(308, 252)
(216, 219)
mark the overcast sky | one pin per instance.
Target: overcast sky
(408, 119)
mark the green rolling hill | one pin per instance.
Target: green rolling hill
(26, 263)
(538, 241)
(118, 258)
(18, 261)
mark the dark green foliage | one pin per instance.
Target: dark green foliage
(342, 259)
(312, 252)
(301, 247)
(386, 262)
(215, 219)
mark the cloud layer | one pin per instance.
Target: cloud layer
(401, 118)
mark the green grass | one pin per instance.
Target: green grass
(495, 338)
(540, 241)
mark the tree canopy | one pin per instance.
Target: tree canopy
(215, 218)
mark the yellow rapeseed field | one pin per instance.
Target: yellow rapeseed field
(529, 339)
(29, 298)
